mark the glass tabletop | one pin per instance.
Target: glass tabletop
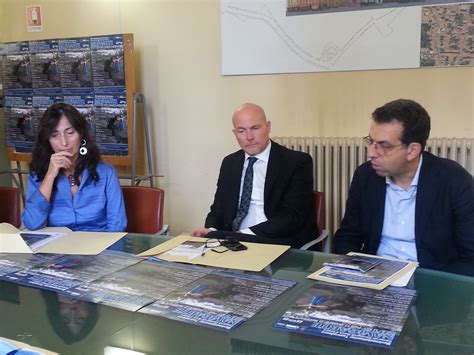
(441, 321)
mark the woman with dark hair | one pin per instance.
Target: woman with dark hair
(68, 184)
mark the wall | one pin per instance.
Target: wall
(190, 103)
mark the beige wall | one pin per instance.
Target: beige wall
(190, 103)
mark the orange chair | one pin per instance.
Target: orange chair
(319, 217)
(10, 198)
(144, 209)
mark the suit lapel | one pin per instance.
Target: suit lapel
(378, 203)
(426, 192)
(235, 179)
(274, 167)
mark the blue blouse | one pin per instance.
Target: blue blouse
(97, 206)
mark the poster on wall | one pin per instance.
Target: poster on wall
(41, 102)
(293, 36)
(85, 105)
(16, 68)
(111, 129)
(107, 61)
(19, 125)
(45, 70)
(76, 66)
(87, 72)
(34, 19)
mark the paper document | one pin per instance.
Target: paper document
(7, 228)
(191, 250)
(255, 258)
(37, 240)
(54, 240)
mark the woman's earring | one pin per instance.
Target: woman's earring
(83, 149)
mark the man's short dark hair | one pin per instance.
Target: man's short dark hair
(413, 117)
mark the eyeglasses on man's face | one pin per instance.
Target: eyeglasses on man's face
(380, 147)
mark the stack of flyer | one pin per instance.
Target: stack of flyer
(362, 270)
(354, 303)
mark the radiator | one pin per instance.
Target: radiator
(335, 160)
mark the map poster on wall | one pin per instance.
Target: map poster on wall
(447, 35)
(293, 36)
(87, 72)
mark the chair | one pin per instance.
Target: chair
(320, 241)
(10, 198)
(144, 209)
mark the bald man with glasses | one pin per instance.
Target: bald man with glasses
(407, 203)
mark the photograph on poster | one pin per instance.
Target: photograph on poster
(45, 64)
(20, 128)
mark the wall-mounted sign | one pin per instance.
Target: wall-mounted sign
(34, 19)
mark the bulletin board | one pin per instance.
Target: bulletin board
(94, 74)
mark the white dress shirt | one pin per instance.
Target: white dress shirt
(256, 213)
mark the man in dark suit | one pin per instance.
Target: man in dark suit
(407, 203)
(278, 208)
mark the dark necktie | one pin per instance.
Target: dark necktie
(246, 195)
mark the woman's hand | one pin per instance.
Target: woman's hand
(58, 161)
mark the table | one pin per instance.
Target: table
(440, 322)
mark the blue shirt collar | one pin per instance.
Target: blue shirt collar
(414, 182)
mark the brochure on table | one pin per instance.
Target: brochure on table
(383, 274)
(62, 272)
(9, 346)
(54, 240)
(135, 287)
(208, 297)
(352, 314)
(221, 299)
(255, 258)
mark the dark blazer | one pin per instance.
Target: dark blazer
(444, 215)
(287, 197)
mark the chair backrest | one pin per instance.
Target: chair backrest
(10, 202)
(319, 210)
(144, 208)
